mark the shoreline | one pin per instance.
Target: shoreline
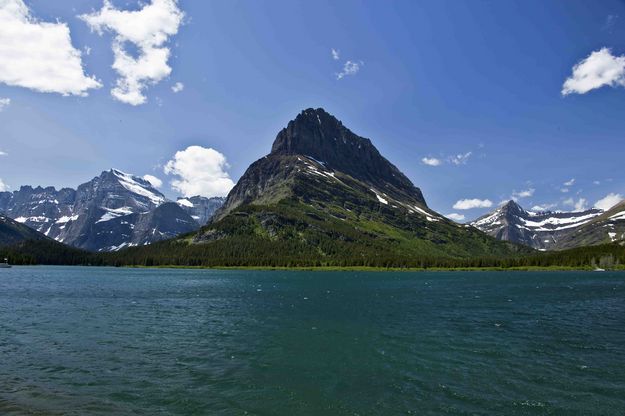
(352, 269)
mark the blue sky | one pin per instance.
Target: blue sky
(475, 85)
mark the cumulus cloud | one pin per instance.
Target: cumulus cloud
(154, 181)
(149, 30)
(599, 69)
(473, 203)
(39, 55)
(350, 68)
(199, 171)
(177, 87)
(4, 103)
(460, 159)
(522, 194)
(580, 205)
(3, 153)
(431, 161)
(569, 183)
(456, 217)
(609, 201)
(3, 186)
(336, 55)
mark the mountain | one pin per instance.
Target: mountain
(200, 208)
(323, 196)
(553, 230)
(111, 211)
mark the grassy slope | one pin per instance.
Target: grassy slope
(295, 233)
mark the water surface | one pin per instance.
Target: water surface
(100, 341)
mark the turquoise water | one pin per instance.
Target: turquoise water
(98, 341)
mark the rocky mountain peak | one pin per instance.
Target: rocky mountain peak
(318, 135)
(511, 208)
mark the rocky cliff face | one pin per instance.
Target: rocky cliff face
(111, 211)
(540, 230)
(316, 143)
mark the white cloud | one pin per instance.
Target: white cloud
(336, 54)
(543, 207)
(39, 55)
(200, 171)
(599, 69)
(460, 159)
(4, 103)
(350, 68)
(569, 183)
(3, 153)
(596, 182)
(456, 217)
(522, 194)
(564, 190)
(473, 203)
(609, 201)
(177, 87)
(3, 186)
(148, 29)
(431, 161)
(154, 181)
(580, 205)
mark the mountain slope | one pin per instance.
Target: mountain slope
(12, 232)
(324, 196)
(21, 244)
(605, 228)
(553, 230)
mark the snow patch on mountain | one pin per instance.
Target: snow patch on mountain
(185, 203)
(138, 186)
(114, 213)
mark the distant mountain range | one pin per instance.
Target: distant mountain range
(554, 230)
(110, 212)
(324, 196)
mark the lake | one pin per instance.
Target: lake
(105, 341)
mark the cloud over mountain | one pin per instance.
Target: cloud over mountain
(199, 171)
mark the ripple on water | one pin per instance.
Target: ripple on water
(99, 341)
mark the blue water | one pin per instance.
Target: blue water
(99, 341)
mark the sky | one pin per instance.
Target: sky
(477, 102)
